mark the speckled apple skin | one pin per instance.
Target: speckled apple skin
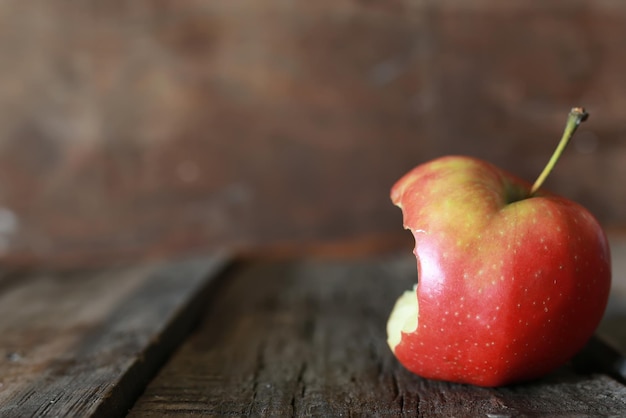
(507, 292)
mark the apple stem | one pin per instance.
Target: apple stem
(575, 117)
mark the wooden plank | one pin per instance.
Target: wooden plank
(145, 110)
(85, 343)
(307, 338)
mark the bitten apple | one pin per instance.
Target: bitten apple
(512, 280)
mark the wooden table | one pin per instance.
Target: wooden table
(283, 337)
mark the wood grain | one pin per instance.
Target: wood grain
(85, 342)
(307, 338)
(195, 125)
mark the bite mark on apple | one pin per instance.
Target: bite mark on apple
(403, 318)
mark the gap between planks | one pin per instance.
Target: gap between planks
(86, 343)
(307, 338)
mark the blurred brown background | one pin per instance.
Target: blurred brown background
(168, 127)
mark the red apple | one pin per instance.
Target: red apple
(512, 282)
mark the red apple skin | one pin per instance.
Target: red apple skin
(507, 292)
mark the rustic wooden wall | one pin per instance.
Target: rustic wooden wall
(160, 126)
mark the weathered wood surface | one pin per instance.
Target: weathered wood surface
(300, 337)
(85, 343)
(307, 338)
(188, 124)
